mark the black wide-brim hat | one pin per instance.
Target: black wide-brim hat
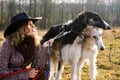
(17, 21)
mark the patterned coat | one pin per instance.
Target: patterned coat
(11, 60)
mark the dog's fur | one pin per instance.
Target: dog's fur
(91, 43)
(70, 45)
(78, 24)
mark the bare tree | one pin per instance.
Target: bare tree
(1, 10)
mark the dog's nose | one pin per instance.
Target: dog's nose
(108, 27)
(102, 48)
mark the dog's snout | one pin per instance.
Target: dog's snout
(108, 27)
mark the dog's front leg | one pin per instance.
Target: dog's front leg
(74, 71)
(60, 70)
(79, 68)
(53, 66)
(93, 70)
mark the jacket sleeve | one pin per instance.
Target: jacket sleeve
(41, 57)
(5, 54)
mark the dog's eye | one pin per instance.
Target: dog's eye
(94, 37)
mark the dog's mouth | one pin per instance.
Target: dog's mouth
(108, 27)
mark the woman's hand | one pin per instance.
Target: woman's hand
(32, 73)
(45, 44)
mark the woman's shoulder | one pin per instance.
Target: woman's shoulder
(6, 47)
(6, 42)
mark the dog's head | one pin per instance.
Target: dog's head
(93, 35)
(93, 19)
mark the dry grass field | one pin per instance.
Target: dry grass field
(108, 61)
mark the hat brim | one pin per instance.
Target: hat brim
(35, 19)
(14, 26)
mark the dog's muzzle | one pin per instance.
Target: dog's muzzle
(107, 26)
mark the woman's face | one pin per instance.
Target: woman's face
(31, 29)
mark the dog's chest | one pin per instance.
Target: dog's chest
(72, 52)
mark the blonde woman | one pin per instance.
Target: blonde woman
(21, 48)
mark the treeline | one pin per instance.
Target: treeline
(55, 13)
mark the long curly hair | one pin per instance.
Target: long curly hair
(19, 35)
(24, 44)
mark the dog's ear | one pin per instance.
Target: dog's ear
(82, 17)
(100, 30)
(87, 31)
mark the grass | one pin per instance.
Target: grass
(108, 61)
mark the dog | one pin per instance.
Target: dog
(78, 24)
(67, 49)
(91, 43)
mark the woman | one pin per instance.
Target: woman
(22, 48)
